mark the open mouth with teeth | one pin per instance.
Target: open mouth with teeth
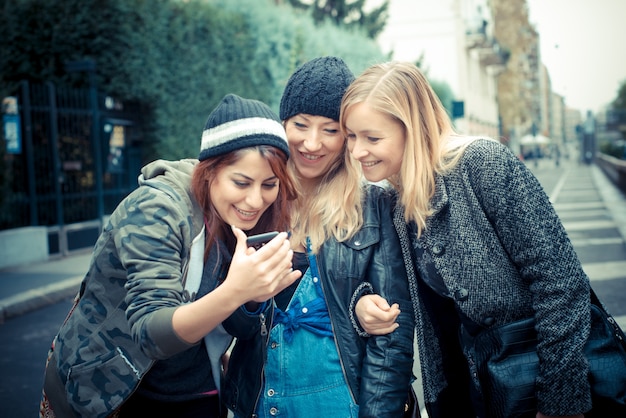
(247, 214)
(368, 164)
(310, 157)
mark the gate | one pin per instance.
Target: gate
(78, 157)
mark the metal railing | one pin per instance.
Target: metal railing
(79, 156)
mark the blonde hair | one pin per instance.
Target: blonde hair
(333, 208)
(400, 90)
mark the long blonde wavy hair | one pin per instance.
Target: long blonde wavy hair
(333, 208)
(400, 90)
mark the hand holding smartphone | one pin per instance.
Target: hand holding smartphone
(257, 241)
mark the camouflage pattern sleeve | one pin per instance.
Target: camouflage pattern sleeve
(152, 241)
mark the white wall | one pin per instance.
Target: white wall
(23, 245)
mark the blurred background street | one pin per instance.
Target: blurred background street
(92, 91)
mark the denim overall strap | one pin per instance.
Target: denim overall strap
(313, 316)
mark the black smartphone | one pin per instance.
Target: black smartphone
(257, 241)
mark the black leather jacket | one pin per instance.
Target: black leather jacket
(378, 369)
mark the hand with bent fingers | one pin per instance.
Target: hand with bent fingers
(253, 277)
(261, 274)
(376, 316)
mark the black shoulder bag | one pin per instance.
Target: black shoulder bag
(506, 364)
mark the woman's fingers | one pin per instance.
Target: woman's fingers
(274, 260)
(375, 314)
(279, 284)
(260, 274)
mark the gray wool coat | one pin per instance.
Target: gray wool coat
(503, 254)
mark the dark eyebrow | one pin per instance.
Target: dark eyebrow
(251, 179)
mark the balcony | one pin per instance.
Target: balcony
(476, 35)
(488, 52)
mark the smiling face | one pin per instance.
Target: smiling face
(242, 192)
(315, 143)
(376, 140)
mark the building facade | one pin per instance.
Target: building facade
(455, 42)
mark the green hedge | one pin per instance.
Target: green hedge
(177, 58)
(615, 149)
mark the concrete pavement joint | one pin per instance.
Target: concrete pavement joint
(559, 186)
(606, 270)
(578, 205)
(614, 200)
(589, 225)
(596, 241)
(582, 214)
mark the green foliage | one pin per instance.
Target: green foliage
(184, 60)
(441, 88)
(40, 36)
(619, 110)
(620, 99)
(348, 14)
(444, 92)
(615, 149)
(287, 38)
(176, 58)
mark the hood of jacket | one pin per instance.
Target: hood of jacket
(173, 178)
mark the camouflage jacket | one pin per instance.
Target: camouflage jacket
(143, 267)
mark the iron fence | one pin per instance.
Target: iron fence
(78, 155)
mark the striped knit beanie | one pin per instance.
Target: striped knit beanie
(316, 88)
(238, 123)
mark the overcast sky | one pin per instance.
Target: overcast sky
(583, 45)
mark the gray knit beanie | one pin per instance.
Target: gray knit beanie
(316, 88)
(238, 123)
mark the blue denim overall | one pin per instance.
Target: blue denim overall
(303, 373)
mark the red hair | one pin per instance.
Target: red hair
(276, 218)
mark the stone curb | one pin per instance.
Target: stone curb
(38, 298)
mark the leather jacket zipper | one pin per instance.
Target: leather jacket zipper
(264, 334)
(263, 326)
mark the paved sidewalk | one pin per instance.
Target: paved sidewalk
(593, 212)
(29, 287)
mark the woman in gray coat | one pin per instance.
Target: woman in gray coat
(486, 246)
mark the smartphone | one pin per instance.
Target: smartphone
(257, 241)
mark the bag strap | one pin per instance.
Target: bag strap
(617, 331)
